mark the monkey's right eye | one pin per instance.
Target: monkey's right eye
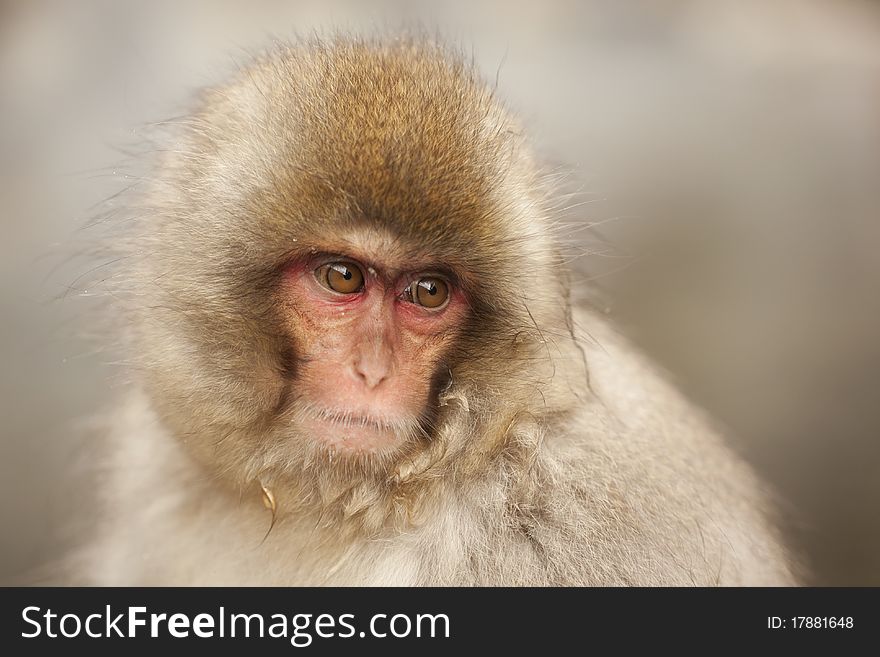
(341, 277)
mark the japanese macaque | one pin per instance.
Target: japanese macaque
(355, 359)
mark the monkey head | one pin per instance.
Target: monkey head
(343, 278)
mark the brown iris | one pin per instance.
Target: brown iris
(429, 292)
(341, 277)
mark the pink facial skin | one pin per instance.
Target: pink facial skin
(366, 360)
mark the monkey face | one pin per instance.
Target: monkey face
(371, 331)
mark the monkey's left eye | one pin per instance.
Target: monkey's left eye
(341, 277)
(428, 292)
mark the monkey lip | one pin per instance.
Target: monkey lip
(354, 432)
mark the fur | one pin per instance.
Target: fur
(553, 453)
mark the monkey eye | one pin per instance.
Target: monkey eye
(429, 292)
(341, 277)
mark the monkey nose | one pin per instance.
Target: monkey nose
(371, 371)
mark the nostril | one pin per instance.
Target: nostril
(370, 374)
(372, 361)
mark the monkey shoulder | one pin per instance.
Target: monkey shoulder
(639, 487)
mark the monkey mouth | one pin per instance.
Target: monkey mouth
(350, 431)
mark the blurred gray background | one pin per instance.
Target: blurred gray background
(729, 149)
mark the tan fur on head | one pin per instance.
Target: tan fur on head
(521, 471)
